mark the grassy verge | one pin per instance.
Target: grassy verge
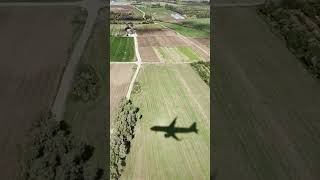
(122, 49)
(89, 119)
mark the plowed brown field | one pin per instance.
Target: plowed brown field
(34, 44)
(120, 78)
(161, 41)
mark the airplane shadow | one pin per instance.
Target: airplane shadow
(171, 130)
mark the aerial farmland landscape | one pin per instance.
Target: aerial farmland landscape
(160, 94)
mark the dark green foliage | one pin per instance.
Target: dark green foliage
(53, 153)
(136, 88)
(197, 11)
(203, 69)
(85, 86)
(123, 133)
(130, 16)
(298, 24)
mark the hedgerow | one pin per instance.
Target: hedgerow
(203, 69)
(122, 134)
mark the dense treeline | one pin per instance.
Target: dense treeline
(53, 153)
(128, 16)
(122, 134)
(85, 85)
(191, 11)
(203, 69)
(298, 23)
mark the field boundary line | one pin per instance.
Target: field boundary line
(138, 62)
(185, 39)
(143, 13)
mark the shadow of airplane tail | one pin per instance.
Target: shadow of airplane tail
(193, 127)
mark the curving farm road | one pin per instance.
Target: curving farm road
(93, 7)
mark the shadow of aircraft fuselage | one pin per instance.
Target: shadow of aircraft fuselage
(170, 131)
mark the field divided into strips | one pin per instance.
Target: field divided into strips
(120, 78)
(177, 54)
(117, 30)
(170, 91)
(122, 49)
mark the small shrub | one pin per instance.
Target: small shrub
(85, 86)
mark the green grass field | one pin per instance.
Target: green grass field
(117, 30)
(168, 92)
(177, 54)
(186, 31)
(158, 13)
(202, 24)
(122, 49)
(89, 120)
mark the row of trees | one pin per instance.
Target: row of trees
(53, 153)
(191, 11)
(299, 25)
(203, 69)
(123, 133)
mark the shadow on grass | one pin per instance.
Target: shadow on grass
(171, 130)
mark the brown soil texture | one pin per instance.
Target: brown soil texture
(34, 44)
(160, 41)
(266, 104)
(122, 8)
(120, 78)
(148, 54)
(201, 41)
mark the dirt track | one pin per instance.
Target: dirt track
(28, 83)
(266, 115)
(120, 76)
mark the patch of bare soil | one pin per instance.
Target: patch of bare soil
(120, 78)
(122, 8)
(161, 41)
(148, 54)
(34, 44)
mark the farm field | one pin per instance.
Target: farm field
(117, 30)
(122, 49)
(89, 119)
(158, 13)
(161, 44)
(31, 77)
(266, 115)
(177, 54)
(186, 31)
(168, 92)
(202, 24)
(120, 78)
